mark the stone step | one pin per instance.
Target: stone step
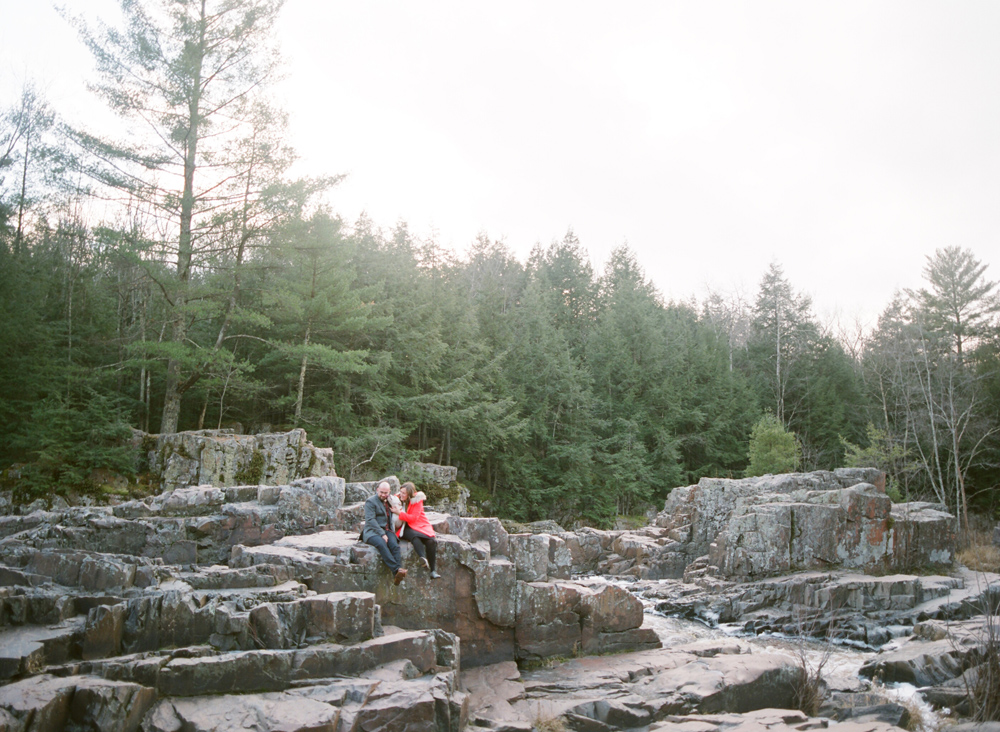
(176, 616)
(88, 570)
(38, 606)
(11, 577)
(26, 650)
(278, 670)
(218, 577)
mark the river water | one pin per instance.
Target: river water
(839, 663)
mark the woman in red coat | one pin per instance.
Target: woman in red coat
(416, 529)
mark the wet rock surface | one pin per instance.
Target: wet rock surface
(863, 609)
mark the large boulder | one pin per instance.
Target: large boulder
(759, 527)
(222, 458)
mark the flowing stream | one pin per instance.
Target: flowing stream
(840, 663)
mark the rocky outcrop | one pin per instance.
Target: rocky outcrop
(866, 610)
(772, 525)
(220, 606)
(442, 475)
(215, 606)
(195, 525)
(443, 489)
(478, 597)
(222, 458)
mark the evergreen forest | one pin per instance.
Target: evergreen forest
(170, 274)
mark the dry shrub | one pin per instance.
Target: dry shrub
(983, 682)
(915, 721)
(550, 724)
(544, 721)
(981, 556)
(811, 691)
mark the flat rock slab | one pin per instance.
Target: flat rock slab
(492, 689)
(635, 689)
(322, 542)
(26, 649)
(424, 703)
(763, 720)
(277, 711)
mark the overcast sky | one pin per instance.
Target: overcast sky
(844, 140)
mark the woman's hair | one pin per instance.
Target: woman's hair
(411, 490)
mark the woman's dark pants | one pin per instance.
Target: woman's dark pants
(425, 546)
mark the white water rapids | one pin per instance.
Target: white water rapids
(840, 663)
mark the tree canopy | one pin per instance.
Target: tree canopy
(221, 292)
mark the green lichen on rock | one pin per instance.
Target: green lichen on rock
(437, 493)
(253, 471)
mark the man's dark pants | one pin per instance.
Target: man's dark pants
(391, 555)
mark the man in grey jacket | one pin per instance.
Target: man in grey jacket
(378, 531)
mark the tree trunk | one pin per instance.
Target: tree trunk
(24, 189)
(777, 367)
(302, 378)
(201, 415)
(173, 391)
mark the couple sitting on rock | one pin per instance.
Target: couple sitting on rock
(413, 526)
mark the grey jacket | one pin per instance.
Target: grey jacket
(375, 519)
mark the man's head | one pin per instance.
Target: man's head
(383, 490)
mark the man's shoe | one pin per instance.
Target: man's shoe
(425, 562)
(435, 575)
(400, 576)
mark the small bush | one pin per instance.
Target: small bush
(811, 689)
(773, 449)
(544, 723)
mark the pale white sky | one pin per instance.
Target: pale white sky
(844, 140)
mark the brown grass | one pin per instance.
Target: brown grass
(982, 555)
(550, 724)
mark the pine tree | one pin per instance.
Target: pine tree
(188, 76)
(773, 449)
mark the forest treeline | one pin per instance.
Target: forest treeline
(174, 276)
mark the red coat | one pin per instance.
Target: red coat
(415, 517)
